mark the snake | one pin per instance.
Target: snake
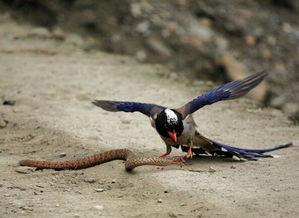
(131, 161)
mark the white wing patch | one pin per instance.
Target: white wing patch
(172, 118)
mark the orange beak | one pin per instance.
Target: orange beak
(172, 136)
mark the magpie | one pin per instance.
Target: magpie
(177, 127)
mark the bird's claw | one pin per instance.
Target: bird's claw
(189, 153)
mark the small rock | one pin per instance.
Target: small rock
(40, 31)
(143, 27)
(250, 40)
(75, 40)
(211, 170)
(197, 170)
(159, 46)
(6, 195)
(89, 180)
(62, 155)
(291, 108)
(3, 123)
(286, 27)
(113, 181)
(166, 191)
(232, 167)
(24, 170)
(159, 200)
(266, 53)
(99, 207)
(9, 102)
(171, 214)
(141, 55)
(99, 190)
(135, 9)
(29, 208)
(125, 121)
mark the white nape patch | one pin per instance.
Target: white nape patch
(172, 118)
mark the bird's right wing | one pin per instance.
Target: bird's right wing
(147, 109)
(227, 91)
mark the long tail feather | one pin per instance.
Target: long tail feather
(249, 152)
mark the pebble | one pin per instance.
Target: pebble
(24, 170)
(113, 181)
(26, 208)
(211, 170)
(99, 207)
(75, 39)
(89, 180)
(159, 200)
(141, 55)
(250, 40)
(125, 121)
(9, 102)
(40, 31)
(171, 214)
(3, 123)
(62, 155)
(99, 190)
(265, 53)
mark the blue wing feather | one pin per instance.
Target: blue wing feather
(145, 108)
(227, 91)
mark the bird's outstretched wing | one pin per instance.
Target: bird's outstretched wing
(227, 91)
(147, 109)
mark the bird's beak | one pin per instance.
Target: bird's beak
(172, 136)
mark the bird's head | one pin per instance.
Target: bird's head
(169, 123)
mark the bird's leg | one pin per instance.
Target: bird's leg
(190, 152)
(168, 150)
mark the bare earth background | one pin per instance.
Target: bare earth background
(53, 83)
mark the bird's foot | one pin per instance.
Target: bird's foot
(189, 153)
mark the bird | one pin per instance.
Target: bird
(177, 127)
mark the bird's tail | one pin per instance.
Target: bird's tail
(244, 152)
(212, 147)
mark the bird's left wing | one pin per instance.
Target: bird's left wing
(227, 91)
(147, 109)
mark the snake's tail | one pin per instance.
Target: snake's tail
(118, 154)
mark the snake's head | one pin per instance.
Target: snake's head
(178, 160)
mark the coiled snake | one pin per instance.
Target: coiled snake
(131, 161)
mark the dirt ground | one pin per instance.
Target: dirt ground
(53, 83)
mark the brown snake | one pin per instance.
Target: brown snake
(131, 159)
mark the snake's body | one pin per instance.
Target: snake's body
(131, 161)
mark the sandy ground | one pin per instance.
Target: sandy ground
(53, 83)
